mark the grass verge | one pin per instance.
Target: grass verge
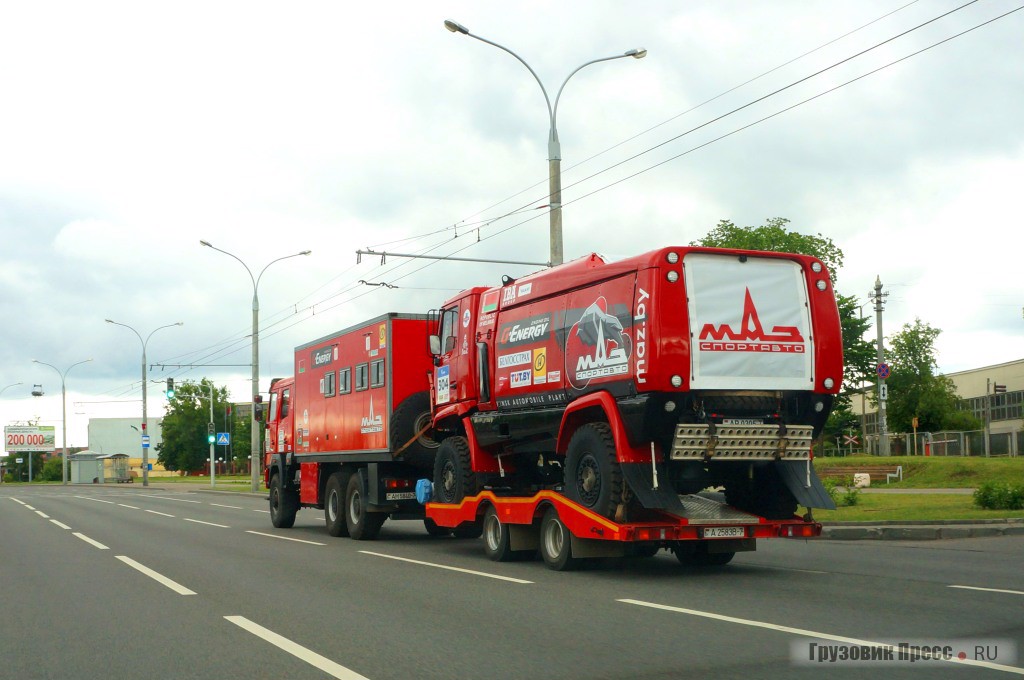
(934, 472)
(902, 507)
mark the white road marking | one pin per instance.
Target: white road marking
(98, 500)
(233, 507)
(443, 566)
(130, 507)
(61, 524)
(991, 590)
(298, 651)
(28, 506)
(156, 576)
(42, 514)
(199, 521)
(16, 500)
(156, 512)
(802, 632)
(91, 542)
(180, 500)
(266, 511)
(767, 566)
(284, 538)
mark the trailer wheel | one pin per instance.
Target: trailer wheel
(434, 530)
(334, 506)
(362, 525)
(284, 504)
(593, 477)
(556, 543)
(409, 418)
(453, 477)
(496, 541)
(698, 556)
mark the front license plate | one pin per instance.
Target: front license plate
(404, 496)
(725, 532)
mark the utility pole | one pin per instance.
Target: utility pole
(878, 297)
(988, 416)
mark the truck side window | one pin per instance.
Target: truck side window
(273, 406)
(329, 384)
(284, 404)
(345, 381)
(362, 377)
(377, 373)
(449, 329)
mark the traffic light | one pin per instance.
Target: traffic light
(170, 388)
(211, 436)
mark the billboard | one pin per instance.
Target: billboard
(27, 438)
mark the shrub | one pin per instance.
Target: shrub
(848, 496)
(996, 496)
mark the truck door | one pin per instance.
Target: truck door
(454, 378)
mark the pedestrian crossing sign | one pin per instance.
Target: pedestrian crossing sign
(223, 439)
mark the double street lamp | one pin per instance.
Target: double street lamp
(145, 384)
(255, 439)
(554, 147)
(64, 413)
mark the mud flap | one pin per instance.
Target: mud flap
(802, 481)
(641, 482)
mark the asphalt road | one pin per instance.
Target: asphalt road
(102, 582)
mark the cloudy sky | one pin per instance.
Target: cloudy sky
(130, 131)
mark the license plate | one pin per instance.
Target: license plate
(403, 496)
(742, 421)
(725, 532)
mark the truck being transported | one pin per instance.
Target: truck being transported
(585, 410)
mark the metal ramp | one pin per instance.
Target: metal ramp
(700, 510)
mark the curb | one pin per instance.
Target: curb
(922, 531)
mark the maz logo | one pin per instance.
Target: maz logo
(751, 337)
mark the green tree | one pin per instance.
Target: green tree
(184, 429)
(915, 388)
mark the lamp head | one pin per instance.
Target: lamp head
(638, 53)
(455, 28)
(205, 243)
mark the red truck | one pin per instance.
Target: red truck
(583, 409)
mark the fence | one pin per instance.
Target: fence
(967, 443)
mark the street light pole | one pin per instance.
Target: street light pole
(64, 413)
(145, 385)
(255, 438)
(554, 147)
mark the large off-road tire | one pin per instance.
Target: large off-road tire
(593, 476)
(411, 416)
(556, 543)
(362, 524)
(284, 504)
(334, 505)
(765, 495)
(454, 479)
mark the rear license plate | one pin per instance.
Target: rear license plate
(725, 532)
(403, 496)
(742, 421)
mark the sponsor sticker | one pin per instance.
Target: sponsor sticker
(540, 366)
(521, 378)
(596, 346)
(371, 423)
(489, 302)
(322, 357)
(509, 296)
(443, 385)
(517, 359)
(526, 331)
(525, 289)
(465, 319)
(382, 336)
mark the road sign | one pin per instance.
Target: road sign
(998, 389)
(850, 439)
(145, 441)
(883, 392)
(883, 371)
(223, 439)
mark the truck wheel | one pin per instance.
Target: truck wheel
(434, 530)
(496, 541)
(453, 477)
(362, 525)
(698, 556)
(555, 543)
(593, 477)
(411, 416)
(284, 504)
(334, 506)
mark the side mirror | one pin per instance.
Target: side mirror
(435, 344)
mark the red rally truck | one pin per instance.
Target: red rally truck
(584, 410)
